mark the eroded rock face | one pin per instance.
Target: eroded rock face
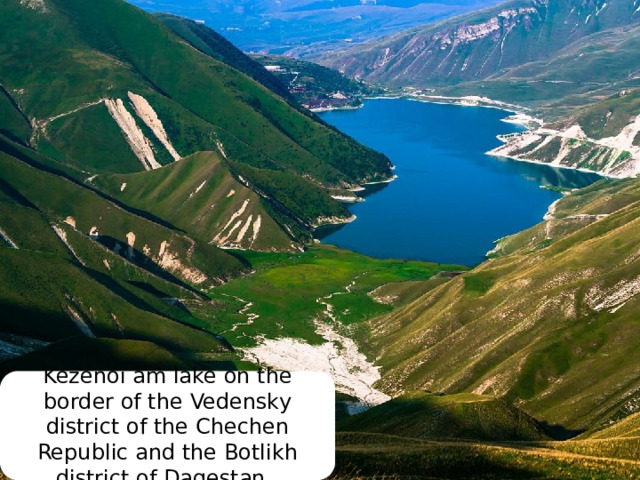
(616, 156)
(37, 5)
(170, 261)
(478, 46)
(140, 145)
(149, 116)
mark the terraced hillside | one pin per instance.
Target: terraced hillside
(549, 323)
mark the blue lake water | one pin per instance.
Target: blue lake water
(450, 201)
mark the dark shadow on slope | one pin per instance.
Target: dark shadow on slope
(11, 148)
(558, 432)
(16, 195)
(139, 259)
(382, 456)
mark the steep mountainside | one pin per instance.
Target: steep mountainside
(575, 63)
(184, 193)
(109, 89)
(128, 157)
(550, 323)
(482, 44)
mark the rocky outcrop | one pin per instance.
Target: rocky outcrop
(616, 156)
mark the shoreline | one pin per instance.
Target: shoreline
(519, 115)
(334, 109)
(490, 153)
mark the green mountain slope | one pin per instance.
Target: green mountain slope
(429, 436)
(361, 456)
(482, 44)
(218, 47)
(63, 278)
(141, 239)
(201, 195)
(110, 89)
(425, 415)
(548, 325)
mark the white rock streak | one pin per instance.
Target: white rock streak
(6, 238)
(195, 192)
(243, 231)
(80, 323)
(339, 357)
(613, 147)
(62, 235)
(256, 229)
(219, 239)
(171, 261)
(149, 116)
(37, 5)
(139, 144)
(616, 297)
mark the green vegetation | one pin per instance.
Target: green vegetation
(545, 324)
(285, 290)
(93, 246)
(200, 195)
(361, 456)
(84, 56)
(433, 436)
(462, 416)
(218, 47)
(315, 85)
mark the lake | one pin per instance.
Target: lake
(450, 201)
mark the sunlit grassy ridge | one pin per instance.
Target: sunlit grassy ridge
(462, 416)
(418, 436)
(200, 195)
(363, 456)
(550, 326)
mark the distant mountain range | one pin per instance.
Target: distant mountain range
(575, 63)
(491, 43)
(303, 27)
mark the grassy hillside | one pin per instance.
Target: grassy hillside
(408, 448)
(427, 415)
(200, 194)
(361, 456)
(549, 326)
(150, 243)
(109, 89)
(316, 86)
(218, 47)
